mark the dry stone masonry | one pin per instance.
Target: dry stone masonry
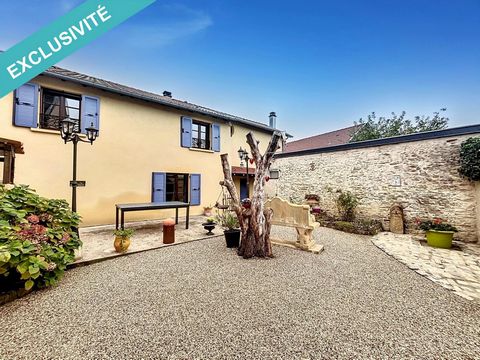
(421, 176)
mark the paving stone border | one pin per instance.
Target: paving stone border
(456, 269)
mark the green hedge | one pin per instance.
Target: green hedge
(470, 159)
(37, 238)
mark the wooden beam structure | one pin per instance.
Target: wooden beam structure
(8, 149)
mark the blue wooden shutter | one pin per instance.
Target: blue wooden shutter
(216, 137)
(159, 186)
(90, 113)
(186, 135)
(26, 105)
(195, 189)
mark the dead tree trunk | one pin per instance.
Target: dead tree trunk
(254, 222)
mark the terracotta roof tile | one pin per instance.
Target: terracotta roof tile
(240, 170)
(332, 138)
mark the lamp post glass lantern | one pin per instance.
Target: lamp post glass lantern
(70, 134)
(243, 155)
(92, 133)
(67, 129)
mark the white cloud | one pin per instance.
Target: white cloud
(67, 5)
(174, 23)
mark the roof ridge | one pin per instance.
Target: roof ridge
(322, 134)
(166, 99)
(104, 80)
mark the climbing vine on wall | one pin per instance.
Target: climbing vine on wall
(470, 159)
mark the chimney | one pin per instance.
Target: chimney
(167, 94)
(273, 120)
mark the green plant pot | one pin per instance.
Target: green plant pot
(440, 239)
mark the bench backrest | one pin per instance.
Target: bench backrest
(287, 214)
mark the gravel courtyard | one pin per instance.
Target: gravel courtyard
(200, 300)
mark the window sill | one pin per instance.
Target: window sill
(52, 132)
(201, 150)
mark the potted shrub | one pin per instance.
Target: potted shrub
(230, 225)
(207, 210)
(122, 239)
(438, 233)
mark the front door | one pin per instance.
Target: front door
(243, 189)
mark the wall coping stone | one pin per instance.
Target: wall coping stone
(427, 135)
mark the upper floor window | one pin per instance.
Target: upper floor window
(200, 135)
(56, 106)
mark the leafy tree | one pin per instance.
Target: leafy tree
(383, 127)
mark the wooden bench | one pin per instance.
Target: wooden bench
(299, 217)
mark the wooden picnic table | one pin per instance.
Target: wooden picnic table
(121, 209)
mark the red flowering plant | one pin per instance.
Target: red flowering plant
(436, 224)
(37, 238)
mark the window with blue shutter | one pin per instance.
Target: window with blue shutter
(216, 137)
(186, 135)
(57, 106)
(26, 106)
(158, 187)
(195, 189)
(90, 113)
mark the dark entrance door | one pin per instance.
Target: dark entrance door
(243, 188)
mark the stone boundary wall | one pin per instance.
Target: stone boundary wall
(422, 176)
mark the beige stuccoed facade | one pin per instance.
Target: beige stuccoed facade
(136, 138)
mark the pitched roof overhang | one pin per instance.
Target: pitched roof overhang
(112, 87)
(242, 171)
(16, 145)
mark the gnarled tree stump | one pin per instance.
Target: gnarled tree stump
(255, 221)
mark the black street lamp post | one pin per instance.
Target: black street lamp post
(243, 154)
(68, 134)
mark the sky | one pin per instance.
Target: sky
(320, 65)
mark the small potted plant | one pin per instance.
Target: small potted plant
(312, 199)
(207, 210)
(230, 225)
(209, 225)
(316, 209)
(438, 233)
(122, 239)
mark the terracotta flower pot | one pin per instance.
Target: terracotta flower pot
(207, 211)
(121, 244)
